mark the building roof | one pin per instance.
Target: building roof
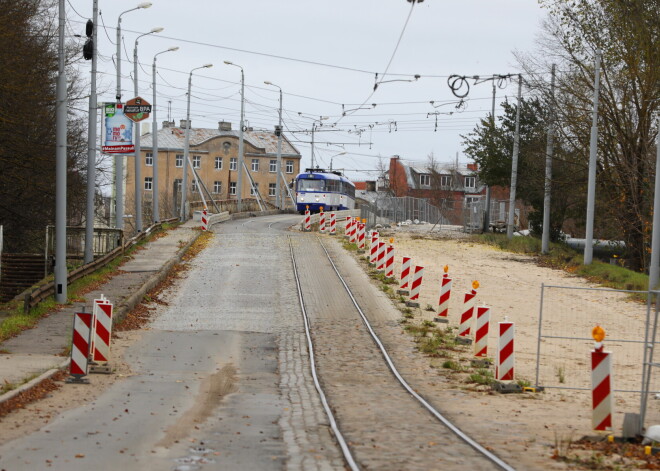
(173, 138)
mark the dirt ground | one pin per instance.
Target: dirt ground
(510, 284)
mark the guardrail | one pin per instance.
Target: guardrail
(34, 297)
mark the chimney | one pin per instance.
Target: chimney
(145, 128)
(184, 124)
(224, 125)
(474, 167)
(168, 124)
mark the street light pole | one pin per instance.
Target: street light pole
(91, 145)
(241, 157)
(137, 126)
(119, 160)
(186, 148)
(336, 155)
(154, 152)
(321, 118)
(514, 165)
(278, 167)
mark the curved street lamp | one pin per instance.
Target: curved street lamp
(138, 154)
(154, 152)
(278, 131)
(186, 147)
(119, 160)
(336, 155)
(239, 181)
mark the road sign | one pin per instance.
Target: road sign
(137, 109)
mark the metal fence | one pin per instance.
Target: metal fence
(566, 317)
(105, 240)
(387, 210)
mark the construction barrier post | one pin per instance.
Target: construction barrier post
(415, 286)
(481, 332)
(82, 326)
(380, 259)
(321, 221)
(405, 276)
(466, 317)
(373, 251)
(389, 262)
(354, 231)
(601, 387)
(308, 220)
(102, 336)
(443, 302)
(333, 224)
(205, 219)
(347, 230)
(504, 368)
(361, 236)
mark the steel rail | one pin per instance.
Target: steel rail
(348, 456)
(457, 431)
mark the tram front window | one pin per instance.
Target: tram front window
(310, 185)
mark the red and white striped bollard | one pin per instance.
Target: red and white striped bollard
(333, 224)
(504, 367)
(481, 332)
(205, 219)
(601, 383)
(373, 250)
(389, 261)
(405, 276)
(102, 338)
(380, 259)
(445, 294)
(82, 327)
(468, 312)
(321, 221)
(308, 220)
(347, 229)
(361, 236)
(415, 286)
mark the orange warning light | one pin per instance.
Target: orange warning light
(391, 240)
(306, 206)
(598, 333)
(446, 268)
(475, 284)
(321, 208)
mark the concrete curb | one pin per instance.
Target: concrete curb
(32, 383)
(125, 307)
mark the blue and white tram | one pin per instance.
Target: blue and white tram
(316, 188)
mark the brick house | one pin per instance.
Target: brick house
(449, 186)
(214, 155)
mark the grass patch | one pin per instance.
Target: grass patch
(563, 257)
(482, 376)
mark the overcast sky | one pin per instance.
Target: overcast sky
(466, 37)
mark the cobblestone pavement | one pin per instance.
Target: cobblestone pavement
(386, 427)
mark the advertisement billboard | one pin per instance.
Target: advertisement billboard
(117, 135)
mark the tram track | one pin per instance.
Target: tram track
(483, 452)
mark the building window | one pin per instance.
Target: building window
(272, 166)
(193, 186)
(232, 188)
(254, 189)
(425, 180)
(289, 166)
(233, 165)
(445, 180)
(217, 187)
(271, 189)
(148, 183)
(218, 163)
(178, 161)
(470, 182)
(149, 159)
(255, 165)
(178, 184)
(472, 200)
(197, 161)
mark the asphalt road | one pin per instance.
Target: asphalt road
(221, 378)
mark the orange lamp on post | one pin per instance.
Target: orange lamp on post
(598, 333)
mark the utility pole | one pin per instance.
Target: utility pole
(60, 168)
(91, 145)
(278, 132)
(514, 164)
(545, 238)
(654, 270)
(486, 227)
(591, 187)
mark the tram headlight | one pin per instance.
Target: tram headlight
(317, 199)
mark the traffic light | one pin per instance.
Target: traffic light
(88, 48)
